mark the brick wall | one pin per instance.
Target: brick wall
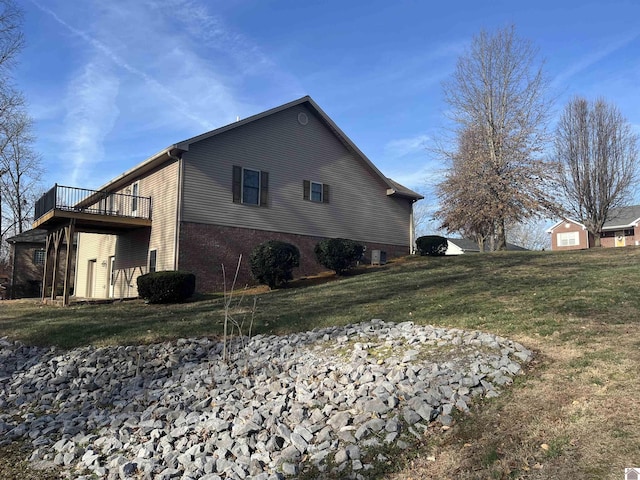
(27, 275)
(204, 248)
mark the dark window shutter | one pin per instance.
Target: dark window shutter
(264, 189)
(325, 193)
(306, 189)
(237, 184)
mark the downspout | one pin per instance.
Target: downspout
(412, 231)
(176, 240)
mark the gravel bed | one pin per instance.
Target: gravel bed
(279, 406)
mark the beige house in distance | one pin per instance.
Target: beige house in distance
(288, 174)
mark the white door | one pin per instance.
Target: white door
(91, 278)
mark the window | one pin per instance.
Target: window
(567, 239)
(38, 257)
(315, 191)
(250, 187)
(134, 197)
(153, 255)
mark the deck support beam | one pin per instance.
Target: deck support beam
(53, 246)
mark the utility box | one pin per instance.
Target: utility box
(378, 257)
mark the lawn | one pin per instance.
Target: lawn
(576, 414)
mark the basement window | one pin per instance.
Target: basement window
(38, 257)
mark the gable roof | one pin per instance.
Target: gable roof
(622, 217)
(563, 221)
(177, 149)
(617, 219)
(465, 244)
(34, 235)
(468, 245)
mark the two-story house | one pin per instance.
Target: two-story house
(288, 173)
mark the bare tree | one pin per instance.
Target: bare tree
(531, 235)
(22, 173)
(466, 193)
(597, 151)
(497, 99)
(20, 166)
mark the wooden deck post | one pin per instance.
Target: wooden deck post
(57, 243)
(46, 262)
(68, 234)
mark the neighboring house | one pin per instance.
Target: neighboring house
(27, 258)
(288, 174)
(459, 246)
(4, 283)
(619, 230)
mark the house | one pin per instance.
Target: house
(4, 283)
(619, 230)
(27, 258)
(459, 246)
(288, 174)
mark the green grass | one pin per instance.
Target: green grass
(529, 293)
(579, 310)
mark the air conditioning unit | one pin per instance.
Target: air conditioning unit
(378, 257)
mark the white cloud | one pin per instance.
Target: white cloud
(407, 146)
(91, 114)
(591, 59)
(168, 76)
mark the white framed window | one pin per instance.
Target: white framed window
(153, 258)
(315, 191)
(135, 189)
(568, 239)
(250, 186)
(38, 257)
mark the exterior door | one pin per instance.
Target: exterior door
(620, 239)
(112, 276)
(91, 278)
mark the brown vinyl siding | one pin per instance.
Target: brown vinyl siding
(290, 153)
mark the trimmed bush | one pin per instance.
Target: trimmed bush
(166, 286)
(338, 254)
(433, 245)
(272, 262)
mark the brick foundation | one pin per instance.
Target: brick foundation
(205, 248)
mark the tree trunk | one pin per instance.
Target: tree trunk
(501, 235)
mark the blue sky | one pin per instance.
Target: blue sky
(109, 83)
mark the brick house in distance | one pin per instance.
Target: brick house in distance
(287, 174)
(619, 230)
(27, 257)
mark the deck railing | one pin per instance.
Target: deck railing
(82, 200)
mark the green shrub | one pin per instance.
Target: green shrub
(272, 262)
(166, 286)
(433, 245)
(338, 254)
